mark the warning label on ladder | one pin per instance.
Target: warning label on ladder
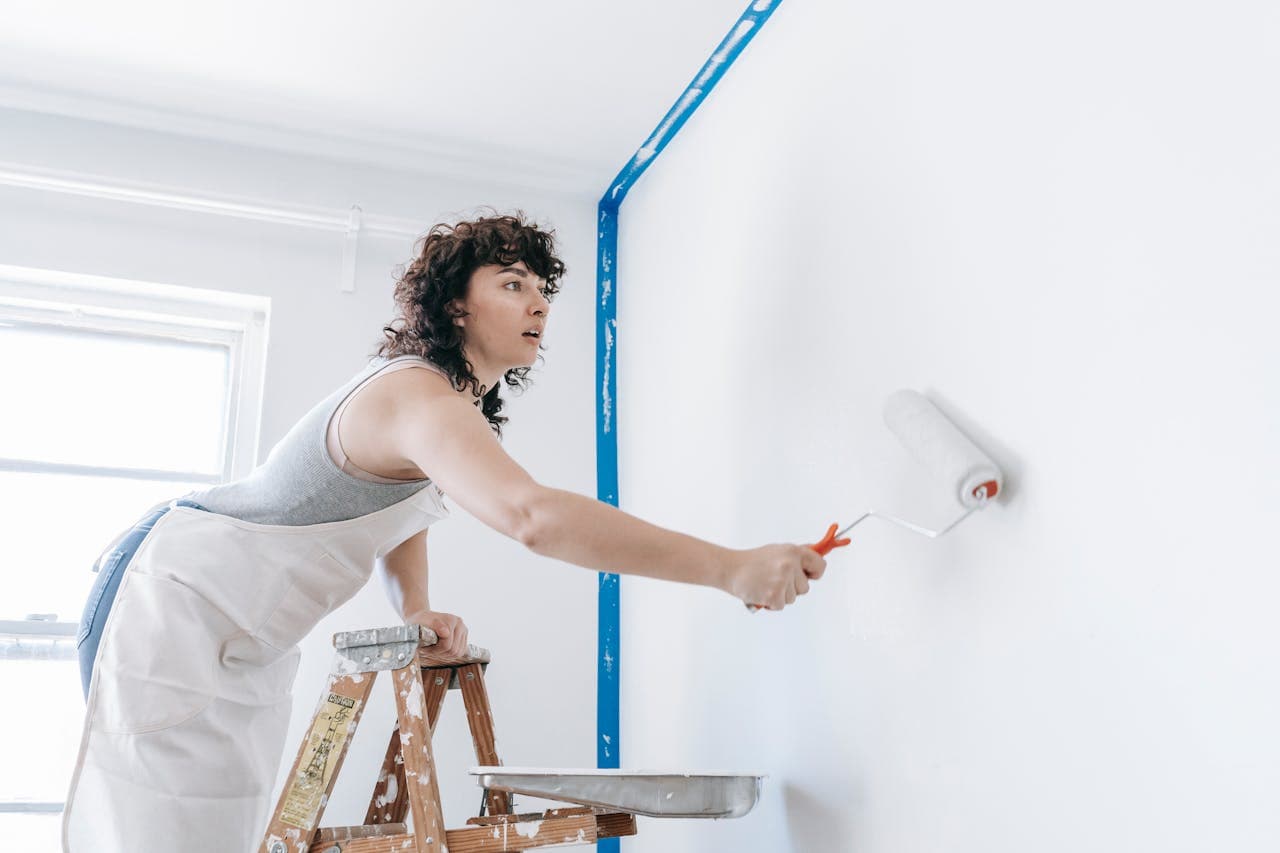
(326, 742)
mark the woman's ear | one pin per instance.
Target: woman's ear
(458, 312)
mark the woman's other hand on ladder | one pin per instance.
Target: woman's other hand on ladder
(450, 629)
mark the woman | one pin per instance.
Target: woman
(189, 640)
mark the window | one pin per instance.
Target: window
(114, 396)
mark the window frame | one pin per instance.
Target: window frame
(147, 309)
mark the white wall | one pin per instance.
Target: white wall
(1059, 222)
(321, 336)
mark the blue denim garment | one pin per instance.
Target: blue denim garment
(103, 594)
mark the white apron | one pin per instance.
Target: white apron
(191, 692)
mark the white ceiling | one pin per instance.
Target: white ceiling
(556, 92)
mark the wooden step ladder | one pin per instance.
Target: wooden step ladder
(407, 785)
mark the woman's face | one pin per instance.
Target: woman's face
(503, 303)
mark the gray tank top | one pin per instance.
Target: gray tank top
(299, 483)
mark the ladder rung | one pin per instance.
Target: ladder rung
(346, 833)
(522, 835)
(490, 820)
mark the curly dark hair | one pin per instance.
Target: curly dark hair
(446, 257)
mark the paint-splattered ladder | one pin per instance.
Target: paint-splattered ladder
(407, 786)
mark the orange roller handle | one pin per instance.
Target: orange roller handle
(829, 542)
(823, 546)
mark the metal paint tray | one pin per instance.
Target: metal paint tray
(653, 793)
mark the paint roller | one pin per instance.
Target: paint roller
(946, 452)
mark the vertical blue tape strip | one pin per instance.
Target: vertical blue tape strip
(609, 620)
(609, 626)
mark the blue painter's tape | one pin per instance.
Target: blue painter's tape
(609, 632)
(703, 82)
(609, 625)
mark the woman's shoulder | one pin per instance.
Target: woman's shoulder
(388, 408)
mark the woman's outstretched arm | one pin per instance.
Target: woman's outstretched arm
(450, 441)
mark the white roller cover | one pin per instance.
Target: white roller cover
(940, 446)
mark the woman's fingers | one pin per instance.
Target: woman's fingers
(457, 636)
(458, 646)
(814, 564)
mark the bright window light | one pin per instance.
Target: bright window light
(112, 400)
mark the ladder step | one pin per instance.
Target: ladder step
(499, 819)
(498, 838)
(334, 834)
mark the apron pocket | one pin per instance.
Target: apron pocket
(157, 665)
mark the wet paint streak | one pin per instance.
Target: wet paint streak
(609, 633)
